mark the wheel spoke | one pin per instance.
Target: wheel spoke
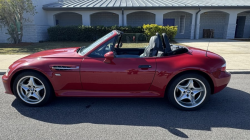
(38, 88)
(192, 99)
(31, 82)
(182, 97)
(196, 91)
(190, 84)
(28, 95)
(25, 88)
(181, 88)
(36, 95)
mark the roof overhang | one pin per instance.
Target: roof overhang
(144, 8)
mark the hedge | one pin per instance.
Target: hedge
(92, 33)
(86, 33)
(152, 29)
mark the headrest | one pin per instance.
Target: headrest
(166, 42)
(160, 41)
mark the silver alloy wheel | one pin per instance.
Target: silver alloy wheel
(190, 92)
(31, 90)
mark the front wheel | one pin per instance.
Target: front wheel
(189, 91)
(32, 89)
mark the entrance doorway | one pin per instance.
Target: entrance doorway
(240, 24)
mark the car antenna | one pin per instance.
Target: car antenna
(209, 41)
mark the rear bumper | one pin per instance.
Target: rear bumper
(6, 84)
(221, 81)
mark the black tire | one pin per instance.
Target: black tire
(172, 91)
(48, 92)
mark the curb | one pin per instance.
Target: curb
(239, 71)
(2, 72)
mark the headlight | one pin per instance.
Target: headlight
(7, 72)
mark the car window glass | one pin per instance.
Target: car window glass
(96, 43)
(103, 49)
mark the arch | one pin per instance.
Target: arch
(216, 20)
(243, 25)
(139, 18)
(217, 10)
(68, 19)
(104, 19)
(182, 19)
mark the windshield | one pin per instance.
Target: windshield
(85, 50)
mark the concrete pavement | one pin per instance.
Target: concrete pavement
(7, 60)
(236, 53)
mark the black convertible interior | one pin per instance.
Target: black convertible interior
(158, 46)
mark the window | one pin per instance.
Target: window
(102, 50)
(169, 22)
(182, 24)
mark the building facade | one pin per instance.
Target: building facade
(228, 19)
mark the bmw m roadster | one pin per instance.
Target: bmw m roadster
(186, 76)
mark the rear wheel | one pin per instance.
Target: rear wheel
(189, 91)
(32, 89)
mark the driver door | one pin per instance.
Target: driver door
(123, 74)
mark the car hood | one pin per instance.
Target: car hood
(55, 53)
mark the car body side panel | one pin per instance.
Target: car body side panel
(170, 66)
(69, 79)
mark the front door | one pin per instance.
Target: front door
(123, 74)
(240, 26)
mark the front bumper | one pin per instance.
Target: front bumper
(6, 84)
(221, 81)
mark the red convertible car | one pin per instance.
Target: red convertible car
(186, 76)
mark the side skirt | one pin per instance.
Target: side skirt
(82, 93)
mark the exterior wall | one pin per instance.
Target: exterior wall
(140, 18)
(214, 20)
(247, 24)
(104, 19)
(68, 19)
(3, 35)
(30, 34)
(42, 33)
(188, 23)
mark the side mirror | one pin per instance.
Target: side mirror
(109, 56)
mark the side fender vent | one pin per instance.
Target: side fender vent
(64, 68)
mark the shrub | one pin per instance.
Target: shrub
(86, 33)
(152, 29)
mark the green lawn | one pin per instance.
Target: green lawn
(28, 48)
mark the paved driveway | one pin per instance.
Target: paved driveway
(236, 53)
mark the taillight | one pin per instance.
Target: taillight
(223, 67)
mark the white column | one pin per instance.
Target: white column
(197, 33)
(86, 18)
(159, 18)
(120, 19)
(231, 27)
(193, 26)
(51, 18)
(125, 18)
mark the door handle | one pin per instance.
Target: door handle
(144, 66)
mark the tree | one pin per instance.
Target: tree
(12, 17)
